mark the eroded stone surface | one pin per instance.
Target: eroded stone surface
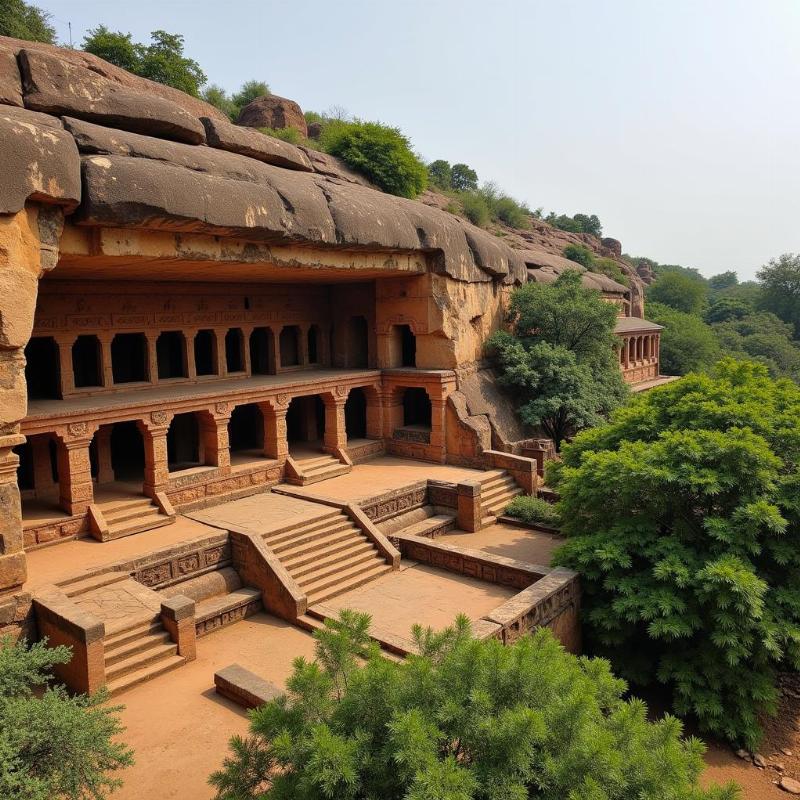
(10, 82)
(272, 111)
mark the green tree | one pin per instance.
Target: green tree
(679, 291)
(687, 343)
(727, 307)
(580, 254)
(381, 153)
(463, 178)
(465, 719)
(725, 280)
(218, 97)
(559, 360)
(440, 174)
(22, 20)
(249, 91)
(682, 517)
(780, 294)
(589, 223)
(162, 60)
(53, 745)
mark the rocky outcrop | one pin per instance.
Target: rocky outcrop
(55, 86)
(613, 246)
(254, 144)
(37, 162)
(10, 82)
(271, 111)
(191, 105)
(333, 167)
(546, 267)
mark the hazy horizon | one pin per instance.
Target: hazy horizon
(677, 124)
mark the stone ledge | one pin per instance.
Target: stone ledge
(243, 687)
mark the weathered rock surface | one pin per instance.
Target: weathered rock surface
(614, 246)
(10, 82)
(334, 167)
(271, 111)
(32, 117)
(38, 162)
(55, 86)
(546, 267)
(789, 785)
(192, 105)
(494, 257)
(254, 144)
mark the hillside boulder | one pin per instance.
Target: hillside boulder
(55, 86)
(10, 82)
(271, 111)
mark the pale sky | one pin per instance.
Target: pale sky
(677, 123)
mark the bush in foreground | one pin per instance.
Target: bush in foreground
(683, 518)
(465, 719)
(534, 509)
(53, 745)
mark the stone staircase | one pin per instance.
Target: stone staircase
(317, 468)
(424, 521)
(498, 489)
(127, 516)
(327, 556)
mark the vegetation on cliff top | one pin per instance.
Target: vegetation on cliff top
(559, 360)
(682, 517)
(53, 745)
(464, 719)
(25, 21)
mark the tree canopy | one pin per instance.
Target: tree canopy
(466, 719)
(53, 745)
(780, 289)
(687, 343)
(559, 361)
(463, 178)
(679, 291)
(22, 20)
(682, 517)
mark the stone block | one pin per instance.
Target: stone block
(244, 687)
(10, 82)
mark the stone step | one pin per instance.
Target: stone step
(321, 466)
(394, 647)
(501, 499)
(330, 472)
(308, 526)
(293, 524)
(142, 630)
(116, 629)
(111, 507)
(345, 580)
(145, 674)
(500, 480)
(424, 527)
(349, 585)
(303, 562)
(333, 569)
(130, 513)
(226, 602)
(287, 547)
(139, 660)
(78, 586)
(140, 644)
(310, 463)
(156, 520)
(499, 490)
(492, 474)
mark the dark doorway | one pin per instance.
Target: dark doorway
(171, 355)
(416, 408)
(408, 347)
(313, 345)
(183, 442)
(87, 362)
(25, 473)
(355, 414)
(234, 350)
(205, 353)
(290, 346)
(43, 369)
(246, 429)
(358, 342)
(127, 452)
(305, 419)
(262, 351)
(129, 358)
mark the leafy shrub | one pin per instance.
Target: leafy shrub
(580, 223)
(508, 210)
(687, 343)
(610, 268)
(679, 291)
(465, 719)
(25, 21)
(580, 254)
(379, 152)
(727, 308)
(53, 745)
(533, 509)
(475, 209)
(780, 293)
(291, 135)
(682, 517)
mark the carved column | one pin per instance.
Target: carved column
(105, 469)
(43, 481)
(156, 466)
(76, 490)
(219, 343)
(248, 367)
(392, 402)
(188, 349)
(214, 434)
(335, 425)
(374, 413)
(152, 356)
(28, 249)
(67, 375)
(276, 444)
(438, 423)
(105, 349)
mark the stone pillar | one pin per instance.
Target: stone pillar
(214, 435)
(105, 348)
(67, 375)
(392, 402)
(188, 349)
(248, 367)
(374, 413)
(335, 426)
(468, 511)
(152, 356)
(76, 490)
(177, 617)
(276, 443)
(13, 569)
(302, 344)
(105, 469)
(156, 467)
(219, 341)
(43, 481)
(438, 426)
